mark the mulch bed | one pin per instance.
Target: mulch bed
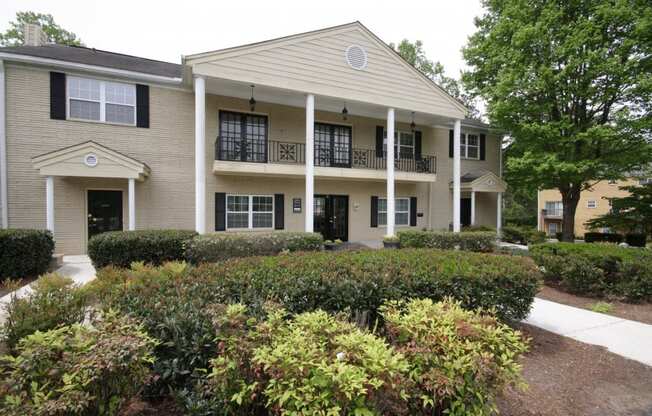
(641, 312)
(567, 377)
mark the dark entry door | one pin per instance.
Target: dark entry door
(465, 212)
(104, 211)
(331, 216)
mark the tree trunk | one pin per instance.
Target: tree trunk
(570, 197)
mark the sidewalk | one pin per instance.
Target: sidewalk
(626, 338)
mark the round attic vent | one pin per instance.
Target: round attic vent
(356, 57)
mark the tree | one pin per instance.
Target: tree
(15, 36)
(571, 81)
(414, 54)
(632, 213)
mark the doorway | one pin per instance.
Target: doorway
(104, 211)
(465, 212)
(331, 216)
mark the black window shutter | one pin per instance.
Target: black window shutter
(374, 211)
(413, 211)
(451, 140)
(220, 211)
(279, 212)
(142, 106)
(57, 95)
(483, 146)
(379, 141)
(417, 145)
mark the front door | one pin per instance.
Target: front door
(465, 212)
(331, 216)
(104, 211)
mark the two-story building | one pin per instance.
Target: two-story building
(286, 134)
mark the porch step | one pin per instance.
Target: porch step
(55, 262)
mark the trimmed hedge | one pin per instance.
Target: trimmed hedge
(597, 269)
(522, 235)
(594, 237)
(121, 248)
(636, 240)
(25, 253)
(215, 247)
(479, 241)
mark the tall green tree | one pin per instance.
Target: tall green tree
(632, 213)
(414, 54)
(571, 80)
(14, 36)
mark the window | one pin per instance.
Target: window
(403, 144)
(552, 228)
(469, 146)
(554, 208)
(332, 145)
(591, 203)
(95, 100)
(243, 137)
(249, 211)
(401, 211)
(645, 181)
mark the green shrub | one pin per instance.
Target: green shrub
(121, 248)
(480, 241)
(222, 246)
(636, 240)
(597, 269)
(459, 359)
(477, 228)
(522, 235)
(593, 237)
(53, 302)
(76, 370)
(24, 253)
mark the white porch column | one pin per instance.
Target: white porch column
(200, 155)
(456, 175)
(4, 219)
(390, 172)
(132, 204)
(310, 162)
(49, 203)
(499, 211)
(472, 207)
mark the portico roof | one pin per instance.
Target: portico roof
(481, 181)
(90, 160)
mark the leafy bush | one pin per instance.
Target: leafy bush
(597, 269)
(476, 228)
(25, 253)
(76, 369)
(480, 241)
(636, 240)
(53, 302)
(594, 237)
(522, 235)
(459, 359)
(121, 248)
(222, 246)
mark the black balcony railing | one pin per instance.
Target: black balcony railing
(552, 212)
(294, 153)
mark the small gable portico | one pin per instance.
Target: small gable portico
(482, 181)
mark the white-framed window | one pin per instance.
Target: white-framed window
(554, 208)
(103, 101)
(591, 203)
(401, 211)
(249, 211)
(403, 144)
(469, 146)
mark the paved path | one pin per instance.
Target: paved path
(629, 339)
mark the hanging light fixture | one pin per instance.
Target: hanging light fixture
(252, 100)
(345, 113)
(413, 126)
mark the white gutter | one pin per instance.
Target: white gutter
(4, 203)
(90, 68)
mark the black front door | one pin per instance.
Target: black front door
(332, 216)
(465, 212)
(104, 211)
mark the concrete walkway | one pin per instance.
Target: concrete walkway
(629, 339)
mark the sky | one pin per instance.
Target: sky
(165, 30)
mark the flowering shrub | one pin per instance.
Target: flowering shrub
(76, 369)
(481, 241)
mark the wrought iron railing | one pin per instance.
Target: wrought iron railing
(294, 153)
(552, 212)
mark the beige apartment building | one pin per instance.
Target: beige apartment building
(286, 134)
(593, 203)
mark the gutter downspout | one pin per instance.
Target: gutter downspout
(4, 203)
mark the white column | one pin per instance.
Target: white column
(456, 175)
(200, 155)
(4, 219)
(499, 211)
(310, 161)
(472, 207)
(132, 204)
(390, 172)
(49, 203)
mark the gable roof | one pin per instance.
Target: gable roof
(482, 181)
(97, 57)
(288, 61)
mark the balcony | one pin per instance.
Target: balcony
(282, 158)
(552, 213)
